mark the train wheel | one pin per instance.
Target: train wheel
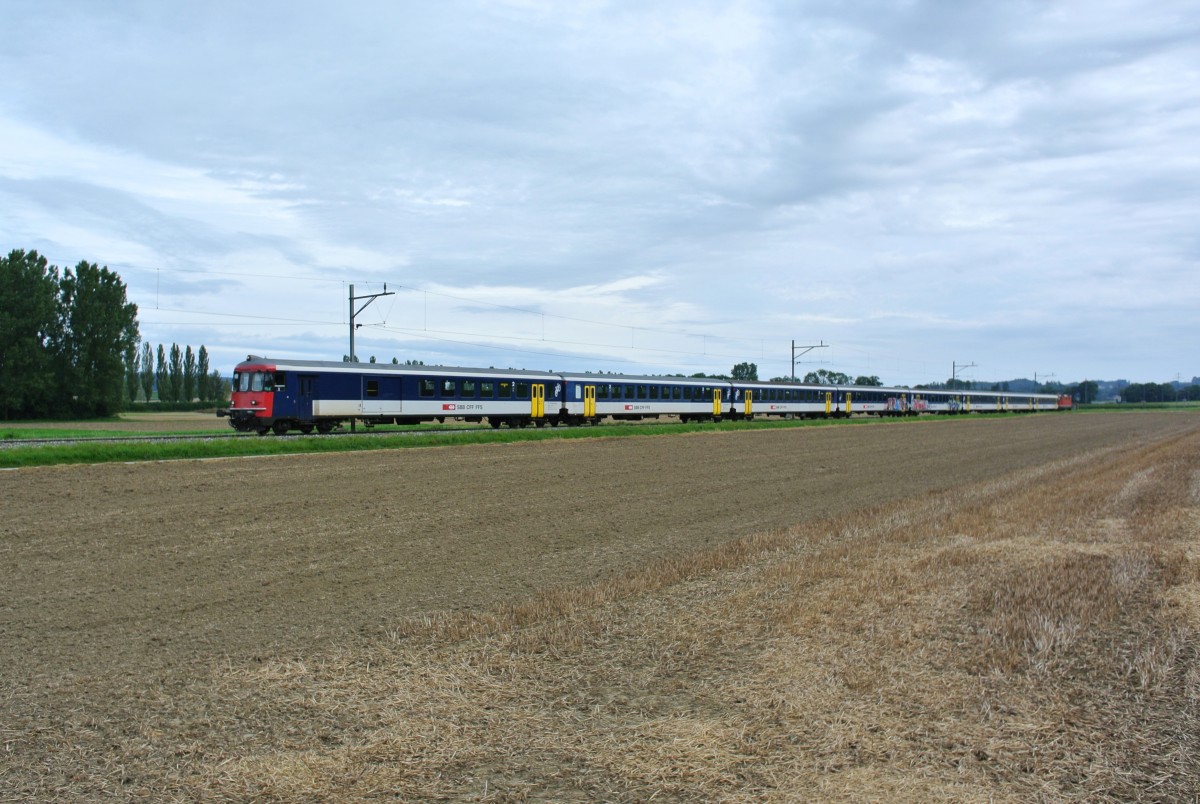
(306, 428)
(494, 422)
(280, 427)
(324, 427)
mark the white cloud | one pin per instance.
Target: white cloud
(663, 187)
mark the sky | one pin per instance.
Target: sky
(989, 190)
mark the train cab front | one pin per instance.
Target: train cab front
(252, 403)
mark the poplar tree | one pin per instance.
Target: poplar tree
(189, 374)
(203, 386)
(176, 374)
(161, 376)
(133, 365)
(146, 373)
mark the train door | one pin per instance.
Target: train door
(828, 402)
(749, 402)
(848, 395)
(538, 398)
(307, 393)
(716, 401)
(589, 401)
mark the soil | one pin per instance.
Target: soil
(137, 570)
(145, 423)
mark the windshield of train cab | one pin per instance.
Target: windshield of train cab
(253, 381)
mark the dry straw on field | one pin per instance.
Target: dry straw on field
(1032, 637)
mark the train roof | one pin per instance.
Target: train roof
(338, 365)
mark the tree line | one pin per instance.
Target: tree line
(1159, 392)
(70, 346)
(63, 336)
(178, 375)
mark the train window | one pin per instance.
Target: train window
(426, 387)
(468, 389)
(372, 387)
(654, 392)
(449, 388)
(676, 392)
(487, 390)
(505, 389)
(280, 380)
(522, 390)
(641, 392)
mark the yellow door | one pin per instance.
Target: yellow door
(589, 400)
(848, 403)
(828, 402)
(749, 402)
(539, 401)
(716, 401)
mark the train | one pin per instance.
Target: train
(280, 396)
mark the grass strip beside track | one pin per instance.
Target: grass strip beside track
(118, 452)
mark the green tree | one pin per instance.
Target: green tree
(146, 372)
(826, 377)
(218, 387)
(162, 376)
(189, 374)
(98, 326)
(175, 374)
(133, 361)
(29, 335)
(1085, 392)
(203, 386)
(871, 380)
(745, 371)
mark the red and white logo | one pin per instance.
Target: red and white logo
(449, 406)
(629, 407)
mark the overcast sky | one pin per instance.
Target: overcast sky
(636, 186)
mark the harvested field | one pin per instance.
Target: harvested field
(141, 423)
(967, 610)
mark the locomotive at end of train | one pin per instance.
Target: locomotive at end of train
(305, 395)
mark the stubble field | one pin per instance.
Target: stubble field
(976, 609)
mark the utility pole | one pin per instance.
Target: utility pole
(954, 367)
(1044, 377)
(806, 350)
(370, 297)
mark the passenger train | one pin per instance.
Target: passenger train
(307, 395)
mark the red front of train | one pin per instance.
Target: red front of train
(252, 403)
